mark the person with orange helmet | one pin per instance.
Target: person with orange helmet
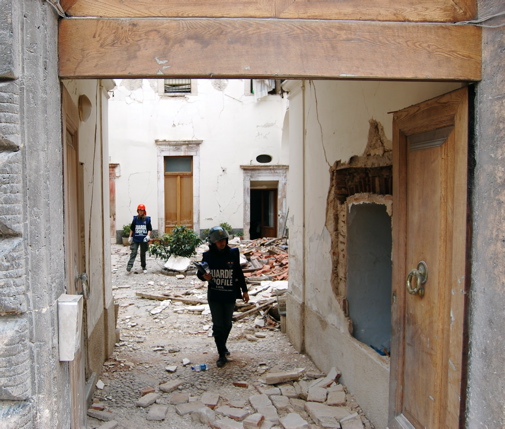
(140, 235)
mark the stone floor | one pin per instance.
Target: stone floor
(148, 381)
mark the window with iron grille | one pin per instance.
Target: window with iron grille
(177, 86)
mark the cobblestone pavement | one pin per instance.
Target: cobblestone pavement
(160, 336)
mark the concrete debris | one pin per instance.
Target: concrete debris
(157, 412)
(170, 386)
(104, 416)
(205, 416)
(177, 263)
(233, 413)
(210, 399)
(294, 421)
(147, 400)
(189, 407)
(253, 421)
(266, 384)
(160, 308)
(282, 377)
(171, 368)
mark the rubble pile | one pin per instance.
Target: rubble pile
(164, 332)
(267, 259)
(265, 265)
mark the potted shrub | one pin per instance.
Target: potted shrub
(126, 234)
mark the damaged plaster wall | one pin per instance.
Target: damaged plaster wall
(332, 123)
(230, 128)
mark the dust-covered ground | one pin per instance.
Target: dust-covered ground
(158, 337)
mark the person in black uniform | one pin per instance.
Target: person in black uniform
(226, 283)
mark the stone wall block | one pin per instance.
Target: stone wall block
(9, 114)
(15, 360)
(11, 196)
(13, 298)
(8, 40)
(16, 415)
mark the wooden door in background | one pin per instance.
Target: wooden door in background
(178, 192)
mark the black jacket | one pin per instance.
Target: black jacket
(228, 280)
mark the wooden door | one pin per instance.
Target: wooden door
(178, 192)
(263, 213)
(75, 250)
(429, 225)
(269, 213)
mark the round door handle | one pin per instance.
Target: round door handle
(421, 276)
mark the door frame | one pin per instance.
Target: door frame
(70, 124)
(264, 192)
(268, 173)
(178, 148)
(453, 330)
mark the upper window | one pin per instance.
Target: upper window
(177, 86)
(178, 164)
(262, 87)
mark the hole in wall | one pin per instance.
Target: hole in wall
(369, 271)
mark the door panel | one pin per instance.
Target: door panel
(269, 218)
(429, 224)
(178, 192)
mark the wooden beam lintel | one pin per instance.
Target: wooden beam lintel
(371, 10)
(230, 48)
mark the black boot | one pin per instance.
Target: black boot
(221, 361)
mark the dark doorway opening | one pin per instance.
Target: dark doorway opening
(263, 213)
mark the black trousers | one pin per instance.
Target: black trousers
(222, 313)
(134, 248)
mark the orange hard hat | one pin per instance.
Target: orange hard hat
(141, 207)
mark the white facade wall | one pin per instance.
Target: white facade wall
(329, 121)
(227, 127)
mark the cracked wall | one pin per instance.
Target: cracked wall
(339, 136)
(223, 128)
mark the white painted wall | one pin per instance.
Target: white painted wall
(329, 121)
(233, 129)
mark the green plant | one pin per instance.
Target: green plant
(182, 241)
(226, 226)
(126, 230)
(239, 234)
